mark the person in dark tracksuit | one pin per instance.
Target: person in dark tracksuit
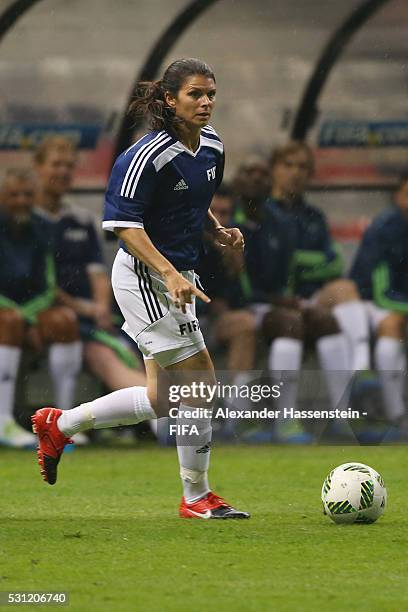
(380, 270)
(322, 308)
(83, 282)
(241, 287)
(269, 251)
(316, 258)
(28, 311)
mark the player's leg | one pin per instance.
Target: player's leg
(105, 364)
(194, 440)
(284, 329)
(343, 298)
(238, 330)
(54, 427)
(390, 362)
(323, 332)
(175, 341)
(11, 338)
(123, 407)
(58, 327)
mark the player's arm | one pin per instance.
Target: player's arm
(98, 279)
(384, 293)
(5, 302)
(43, 300)
(101, 298)
(321, 264)
(140, 246)
(30, 309)
(223, 236)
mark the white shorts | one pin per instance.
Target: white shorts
(162, 331)
(375, 314)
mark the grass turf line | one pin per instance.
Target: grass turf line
(108, 532)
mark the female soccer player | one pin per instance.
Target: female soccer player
(157, 202)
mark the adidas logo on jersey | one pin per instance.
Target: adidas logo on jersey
(181, 185)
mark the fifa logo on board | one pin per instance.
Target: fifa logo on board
(211, 173)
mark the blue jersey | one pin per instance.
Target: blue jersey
(268, 253)
(316, 259)
(27, 272)
(160, 185)
(380, 268)
(77, 248)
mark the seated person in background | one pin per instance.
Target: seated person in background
(267, 256)
(81, 274)
(322, 309)
(225, 319)
(265, 265)
(28, 314)
(316, 269)
(380, 270)
(241, 286)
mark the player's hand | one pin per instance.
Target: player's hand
(182, 291)
(100, 313)
(228, 237)
(103, 316)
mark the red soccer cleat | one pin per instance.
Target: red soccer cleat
(210, 507)
(51, 442)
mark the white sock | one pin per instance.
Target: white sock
(123, 407)
(391, 364)
(353, 322)
(9, 362)
(194, 455)
(65, 362)
(334, 359)
(285, 360)
(236, 402)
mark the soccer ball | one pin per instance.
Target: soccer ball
(354, 493)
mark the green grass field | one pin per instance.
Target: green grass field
(108, 533)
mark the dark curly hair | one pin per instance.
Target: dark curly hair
(150, 102)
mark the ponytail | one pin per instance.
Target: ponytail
(150, 103)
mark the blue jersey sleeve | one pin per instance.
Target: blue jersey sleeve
(220, 169)
(369, 255)
(129, 193)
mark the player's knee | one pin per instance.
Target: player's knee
(201, 387)
(236, 323)
(393, 326)
(58, 324)
(337, 292)
(98, 357)
(242, 320)
(318, 323)
(283, 323)
(153, 398)
(346, 289)
(11, 327)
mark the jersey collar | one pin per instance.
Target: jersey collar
(195, 153)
